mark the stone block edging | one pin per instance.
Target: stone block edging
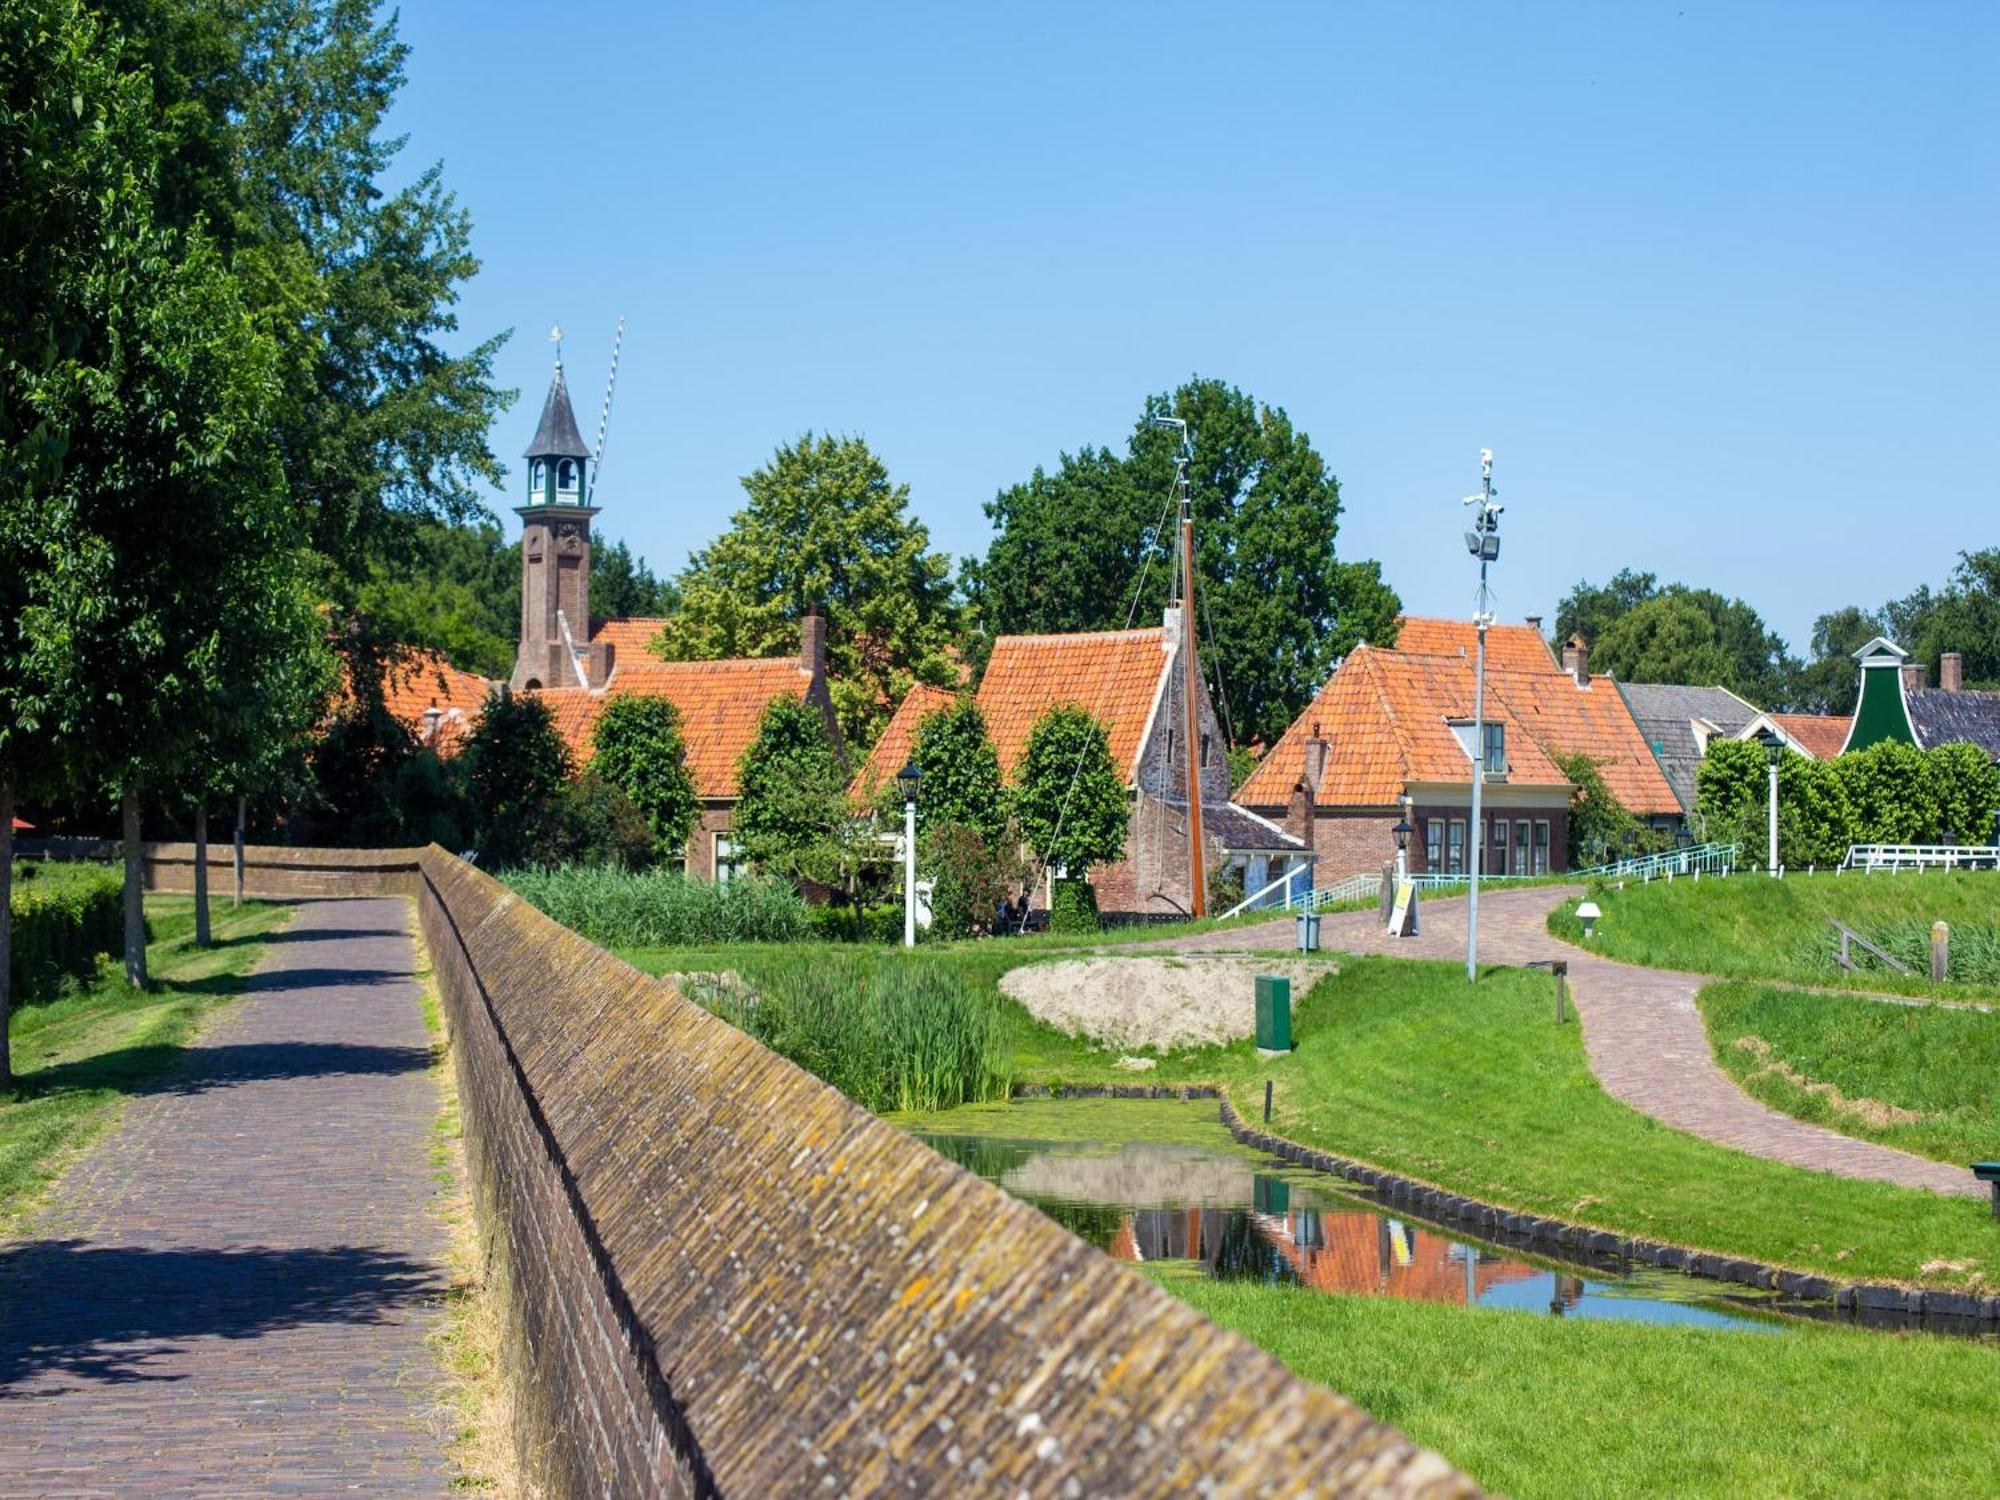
(1444, 1206)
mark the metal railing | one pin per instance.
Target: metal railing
(1706, 859)
(1893, 857)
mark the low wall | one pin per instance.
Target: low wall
(725, 1278)
(270, 871)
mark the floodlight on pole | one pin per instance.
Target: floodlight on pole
(1483, 542)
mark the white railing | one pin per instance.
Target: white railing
(1706, 859)
(1893, 857)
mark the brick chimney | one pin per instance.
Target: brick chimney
(1535, 623)
(1576, 660)
(1915, 678)
(812, 644)
(1951, 672)
(1316, 753)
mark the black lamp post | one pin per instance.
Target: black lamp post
(1403, 830)
(909, 778)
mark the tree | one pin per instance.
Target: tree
(1730, 793)
(640, 751)
(1639, 631)
(621, 585)
(1600, 828)
(961, 772)
(793, 818)
(1965, 789)
(454, 589)
(972, 876)
(1075, 550)
(825, 529)
(1069, 798)
(1894, 796)
(1964, 618)
(518, 770)
(1831, 682)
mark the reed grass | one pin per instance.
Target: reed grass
(662, 908)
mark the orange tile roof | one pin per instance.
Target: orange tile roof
(899, 738)
(1596, 720)
(1113, 675)
(629, 637)
(1387, 715)
(1516, 647)
(1819, 735)
(719, 702)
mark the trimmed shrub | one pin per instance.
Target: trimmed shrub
(662, 908)
(64, 917)
(1073, 908)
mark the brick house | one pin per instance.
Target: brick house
(1393, 730)
(1131, 682)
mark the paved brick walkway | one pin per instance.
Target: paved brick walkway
(1641, 1029)
(228, 1295)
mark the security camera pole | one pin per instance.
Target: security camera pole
(1483, 542)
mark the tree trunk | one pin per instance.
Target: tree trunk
(135, 909)
(6, 930)
(237, 899)
(201, 931)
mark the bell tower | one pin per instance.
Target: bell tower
(555, 648)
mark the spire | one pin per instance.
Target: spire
(556, 435)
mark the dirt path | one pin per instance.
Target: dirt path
(229, 1293)
(1641, 1030)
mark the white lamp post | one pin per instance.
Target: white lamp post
(909, 777)
(1774, 746)
(1483, 542)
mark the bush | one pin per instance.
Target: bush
(1074, 908)
(970, 876)
(889, 1033)
(64, 917)
(834, 923)
(662, 909)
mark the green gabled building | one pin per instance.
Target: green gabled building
(1898, 703)
(1883, 711)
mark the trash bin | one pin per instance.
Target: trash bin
(1274, 1013)
(1308, 931)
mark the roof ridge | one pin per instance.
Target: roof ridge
(1135, 632)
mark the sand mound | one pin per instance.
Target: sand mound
(1165, 1002)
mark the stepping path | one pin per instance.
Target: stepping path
(1641, 1030)
(229, 1293)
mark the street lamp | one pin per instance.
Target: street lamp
(1483, 542)
(909, 778)
(1774, 746)
(1403, 830)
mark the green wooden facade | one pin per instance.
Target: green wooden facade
(1882, 712)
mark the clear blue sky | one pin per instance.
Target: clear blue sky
(1719, 283)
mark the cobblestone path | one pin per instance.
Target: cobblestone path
(1641, 1029)
(229, 1293)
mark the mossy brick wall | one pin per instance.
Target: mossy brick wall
(725, 1278)
(270, 871)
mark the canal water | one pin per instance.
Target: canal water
(1152, 1180)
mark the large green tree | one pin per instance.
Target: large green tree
(1088, 548)
(1069, 798)
(1639, 630)
(519, 771)
(793, 818)
(1830, 682)
(639, 750)
(961, 772)
(825, 529)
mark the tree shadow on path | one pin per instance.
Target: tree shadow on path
(163, 1069)
(73, 1314)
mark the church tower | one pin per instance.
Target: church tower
(556, 649)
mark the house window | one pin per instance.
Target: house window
(1454, 858)
(1204, 747)
(1496, 750)
(1541, 846)
(566, 475)
(1433, 843)
(728, 865)
(1496, 859)
(1522, 835)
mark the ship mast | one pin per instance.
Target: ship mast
(1190, 672)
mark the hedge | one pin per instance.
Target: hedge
(64, 917)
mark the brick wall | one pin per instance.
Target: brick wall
(1351, 841)
(271, 871)
(840, 1308)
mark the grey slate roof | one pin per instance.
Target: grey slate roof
(556, 436)
(1665, 713)
(1238, 829)
(1940, 718)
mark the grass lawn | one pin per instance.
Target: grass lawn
(1753, 927)
(77, 1057)
(1534, 1406)
(1918, 1077)
(1402, 1064)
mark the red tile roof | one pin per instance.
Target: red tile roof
(629, 637)
(1819, 735)
(1387, 717)
(1596, 720)
(899, 738)
(720, 703)
(1114, 675)
(1518, 648)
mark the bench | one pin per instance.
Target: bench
(1989, 1172)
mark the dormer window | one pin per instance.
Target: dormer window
(1495, 735)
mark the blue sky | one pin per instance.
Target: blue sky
(1719, 284)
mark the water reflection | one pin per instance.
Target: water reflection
(1140, 1201)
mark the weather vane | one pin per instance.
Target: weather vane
(555, 337)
